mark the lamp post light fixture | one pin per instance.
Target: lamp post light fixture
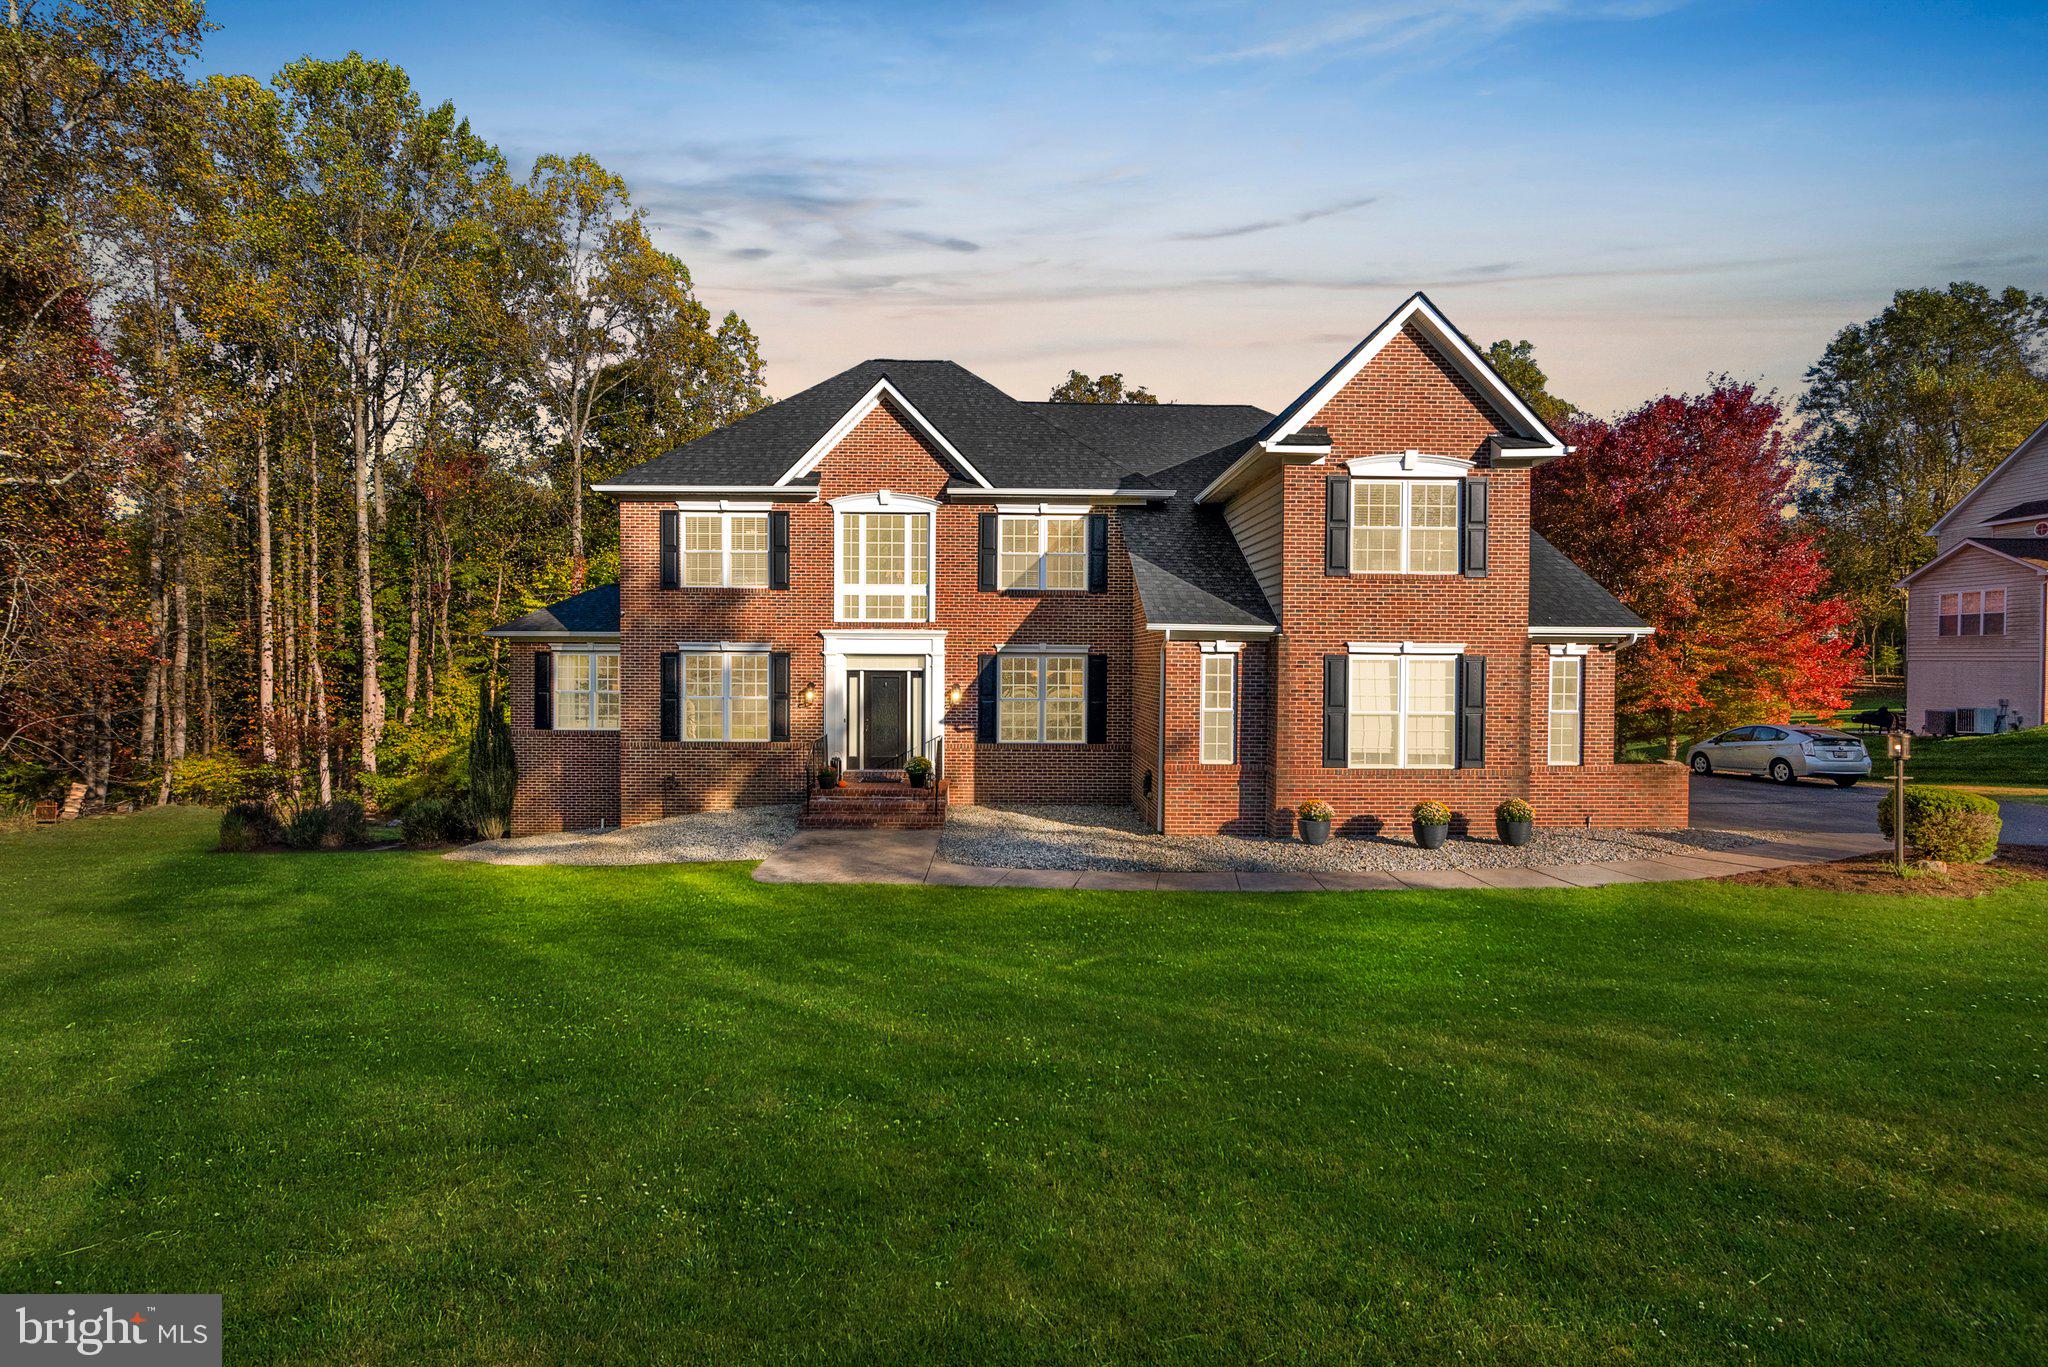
(1899, 745)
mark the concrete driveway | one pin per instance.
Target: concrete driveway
(1731, 803)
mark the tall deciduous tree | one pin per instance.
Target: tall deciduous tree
(1078, 388)
(1905, 413)
(1680, 509)
(1516, 363)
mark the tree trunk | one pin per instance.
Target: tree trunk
(412, 644)
(366, 597)
(153, 683)
(174, 688)
(577, 565)
(317, 675)
(266, 640)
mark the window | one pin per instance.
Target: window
(1973, 612)
(1042, 698)
(725, 550)
(586, 690)
(1404, 526)
(1567, 691)
(1402, 711)
(885, 567)
(1219, 709)
(725, 697)
(1043, 552)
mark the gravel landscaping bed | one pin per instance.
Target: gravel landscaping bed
(744, 833)
(1064, 836)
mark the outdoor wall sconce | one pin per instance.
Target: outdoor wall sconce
(810, 694)
(953, 695)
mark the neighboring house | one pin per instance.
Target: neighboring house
(1208, 611)
(1974, 658)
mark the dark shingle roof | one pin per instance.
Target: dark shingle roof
(2032, 549)
(1007, 442)
(2033, 507)
(1563, 595)
(593, 612)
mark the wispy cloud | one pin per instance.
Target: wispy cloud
(1416, 28)
(1268, 224)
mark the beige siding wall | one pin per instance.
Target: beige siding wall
(1255, 518)
(1945, 672)
(2021, 481)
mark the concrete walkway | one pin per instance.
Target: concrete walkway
(912, 857)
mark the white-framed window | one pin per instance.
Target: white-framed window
(1973, 612)
(1219, 709)
(1042, 699)
(725, 695)
(1042, 552)
(1567, 708)
(724, 550)
(1404, 526)
(1402, 711)
(586, 690)
(885, 566)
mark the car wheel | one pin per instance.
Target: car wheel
(1702, 765)
(1781, 771)
(1846, 781)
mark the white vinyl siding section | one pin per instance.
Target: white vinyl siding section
(1257, 520)
(2023, 481)
(1219, 709)
(1567, 708)
(1948, 672)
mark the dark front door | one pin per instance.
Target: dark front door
(884, 719)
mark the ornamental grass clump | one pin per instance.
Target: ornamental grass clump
(1947, 824)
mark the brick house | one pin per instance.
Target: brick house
(1211, 612)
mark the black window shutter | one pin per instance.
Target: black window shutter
(1098, 699)
(1336, 710)
(671, 549)
(778, 549)
(1098, 552)
(778, 693)
(671, 695)
(1337, 525)
(1473, 524)
(985, 698)
(543, 691)
(1471, 712)
(988, 552)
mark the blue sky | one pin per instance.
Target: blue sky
(1218, 199)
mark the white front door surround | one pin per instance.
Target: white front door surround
(896, 649)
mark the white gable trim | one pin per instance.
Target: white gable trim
(1452, 343)
(854, 417)
(2024, 448)
(1968, 545)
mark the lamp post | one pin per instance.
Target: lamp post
(1899, 744)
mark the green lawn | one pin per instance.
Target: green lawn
(397, 1109)
(2013, 760)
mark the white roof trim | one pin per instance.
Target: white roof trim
(986, 493)
(723, 647)
(1980, 486)
(856, 414)
(764, 493)
(596, 637)
(1590, 633)
(1971, 544)
(1449, 340)
(1218, 628)
(1405, 648)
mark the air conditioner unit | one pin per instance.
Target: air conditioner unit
(1976, 721)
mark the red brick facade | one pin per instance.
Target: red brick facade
(1408, 397)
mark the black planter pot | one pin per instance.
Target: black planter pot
(1430, 837)
(829, 779)
(1516, 832)
(1315, 832)
(919, 778)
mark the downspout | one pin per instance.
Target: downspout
(1163, 637)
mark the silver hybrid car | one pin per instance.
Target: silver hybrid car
(1786, 753)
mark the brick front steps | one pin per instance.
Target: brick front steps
(875, 805)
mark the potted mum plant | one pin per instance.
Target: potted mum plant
(1315, 820)
(1516, 822)
(828, 777)
(1432, 824)
(918, 770)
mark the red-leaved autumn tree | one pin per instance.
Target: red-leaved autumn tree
(1681, 508)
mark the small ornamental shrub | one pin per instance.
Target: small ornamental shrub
(917, 764)
(1946, 824)
(1432, 813)
(435, 821)
(1514, 809)
(248, 826)
(1315, 809)
(334, 826)
(307, 829)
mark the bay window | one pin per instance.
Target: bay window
(586, 690)
(1402, 711)
(1042, 698)
(1404, 526)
